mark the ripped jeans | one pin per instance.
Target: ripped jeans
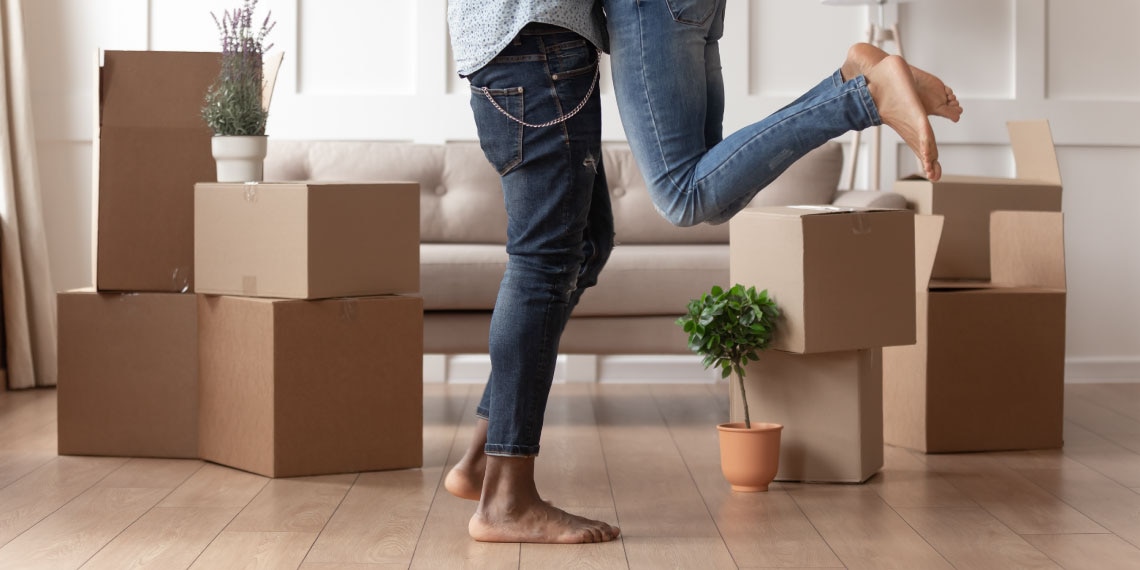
(560, 225)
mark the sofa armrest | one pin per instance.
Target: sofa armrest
(869, 199)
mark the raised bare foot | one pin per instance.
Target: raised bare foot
(537, 521)
(465, 480)
(893, 89)
(937, 98)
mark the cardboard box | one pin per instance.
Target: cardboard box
(292, 388)
(987, 372)
(128, 374)
(831, 407)
(151, 146)
(843, 278)
(966, 201)
(307, 240)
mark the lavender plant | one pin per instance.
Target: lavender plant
(233, 103)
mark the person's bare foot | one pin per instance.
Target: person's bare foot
(893, 89)
(937, 98)
(510, 510)
(465, 480)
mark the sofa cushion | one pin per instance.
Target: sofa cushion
(461, 197)
(637, 280)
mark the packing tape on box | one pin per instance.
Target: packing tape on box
(180, 277)
(250, 192)
(249, 285)
(860, 223)
(349, 309)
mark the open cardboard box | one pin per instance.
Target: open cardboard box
(966, 201)
(987, 372)
(842, 277)
(151, 146)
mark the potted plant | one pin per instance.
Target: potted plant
(234, 109)
(727, 328)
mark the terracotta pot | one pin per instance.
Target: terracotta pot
(240, 158)
(749, 458)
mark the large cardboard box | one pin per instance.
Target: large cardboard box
(293, 388)
(307, 240)
(966, 201)
(987, 372)
(831, 407)
(151, 146)
(843, 278)
(128, 374)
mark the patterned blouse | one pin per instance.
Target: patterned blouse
(480, 29)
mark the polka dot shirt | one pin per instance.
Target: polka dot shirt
(480, 29)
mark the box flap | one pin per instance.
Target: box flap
(270, 67)
(1027, 249)
(1033, 151)
(927, 233)
(819, 210)
(155, 88)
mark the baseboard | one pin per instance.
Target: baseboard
(646, 369)
(1102, 369)
(641, 369)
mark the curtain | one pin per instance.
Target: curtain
(28, 295)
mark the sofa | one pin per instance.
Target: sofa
(655, 268)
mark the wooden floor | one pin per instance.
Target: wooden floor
(643, 456)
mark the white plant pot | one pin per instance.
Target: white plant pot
(240, 158)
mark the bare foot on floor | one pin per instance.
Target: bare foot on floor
(937, 98)
(893, 89)
(465, 480)
(538, 522)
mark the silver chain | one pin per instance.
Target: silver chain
(561, 119)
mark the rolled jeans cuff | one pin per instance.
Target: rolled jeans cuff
(510, 450)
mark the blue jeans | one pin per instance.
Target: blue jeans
(560, 228)
(670, 92)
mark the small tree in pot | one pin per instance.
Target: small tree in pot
(728, 328)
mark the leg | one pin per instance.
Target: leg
(465, 480)
(548, 190)
(690, 182)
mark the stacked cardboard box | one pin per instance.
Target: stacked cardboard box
(311, 331)
(987, 372)
(128, 350)
(324, 377)
(843, 280)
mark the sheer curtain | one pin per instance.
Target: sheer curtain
(29, 298)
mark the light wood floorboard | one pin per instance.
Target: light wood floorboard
(643, 456)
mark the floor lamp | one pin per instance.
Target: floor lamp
(878, 34)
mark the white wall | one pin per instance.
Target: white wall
(380, 69)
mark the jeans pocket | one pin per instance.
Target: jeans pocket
(692, 12)
(500, 136)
